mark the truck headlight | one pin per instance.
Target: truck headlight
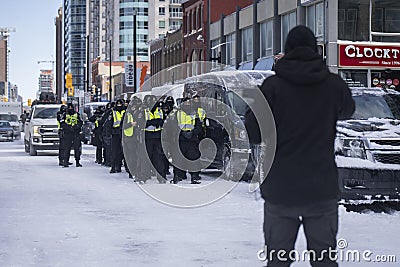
(353, 148)
(36, 131)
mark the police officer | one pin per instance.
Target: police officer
(152, 134)
(97, 133)
(116, 137)
(106, 123)
(71, 127)
(190, 131)
(61, 146)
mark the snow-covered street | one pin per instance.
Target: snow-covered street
(53, 216)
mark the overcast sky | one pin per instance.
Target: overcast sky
(33, 40)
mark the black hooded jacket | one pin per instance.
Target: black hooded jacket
(306, 101)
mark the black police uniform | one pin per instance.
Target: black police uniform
(116, 138)
(72, 126)
(61, 146)
(97, 135)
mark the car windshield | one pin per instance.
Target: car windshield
(8, 117)
(238, 105)
(371, 106)
(4, 124)
(45, 113)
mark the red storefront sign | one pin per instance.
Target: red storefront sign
(365, 55)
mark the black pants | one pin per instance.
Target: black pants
(72, 140)
(189, 149)
(116, 152)
(99, 152)
(61, 147)
(107, 150)
(154, 160)
(281, 225)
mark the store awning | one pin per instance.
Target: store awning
(265, 64)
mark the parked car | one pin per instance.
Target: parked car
(14, 122)
(229, 88)
(41, 129)
(367, 147)
(6, 131)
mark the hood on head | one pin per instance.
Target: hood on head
(301, 64)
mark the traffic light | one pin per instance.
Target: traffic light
(68, 80)
(29, 102)
(71, 91)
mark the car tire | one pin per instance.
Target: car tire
(32, 150)
(26, 145)
(227, 167)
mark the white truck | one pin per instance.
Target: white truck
(11, 112)
(41, 129)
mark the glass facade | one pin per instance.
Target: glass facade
(316, 20)
(75, 41)
(247, 44)
(126, 8)
(266, 38)
(354, 20)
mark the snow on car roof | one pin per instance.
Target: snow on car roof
(372, 91)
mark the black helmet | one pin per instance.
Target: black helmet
(63, 108)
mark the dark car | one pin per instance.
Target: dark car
(6, 131)
(88, 127)
(227, 131)
(367, 147)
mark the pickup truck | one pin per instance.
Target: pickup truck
(41, 129)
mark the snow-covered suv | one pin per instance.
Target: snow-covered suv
(367, 147)
(41, 129)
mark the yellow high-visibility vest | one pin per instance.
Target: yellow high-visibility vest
(71, 120)
(129, 131)
(157, 114)
(186, 122)
(117, 118)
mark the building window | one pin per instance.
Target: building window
(175, 12)
(161, 11)
(353, 20)
(247, 44)
(215, 51)
(231, 49)
(161, 24)
(385, 19)
(315, 20)
(288, 22)
(266, 38)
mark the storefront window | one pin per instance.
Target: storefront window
(266, 38)
(288, 22)
(386, 79)
(315, 20)
(354, 78)
(247, 44)
(230, 49)
(353, 20)
(386, 19)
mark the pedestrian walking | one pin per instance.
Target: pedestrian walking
(72, 127)
(301, 187)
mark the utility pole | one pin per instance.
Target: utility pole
(87, 64)
(134, 52)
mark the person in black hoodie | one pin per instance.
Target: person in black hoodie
(302, 185)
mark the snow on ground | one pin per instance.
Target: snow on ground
(52, 216)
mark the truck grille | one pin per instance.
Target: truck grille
(51, 130)
(3, 132)
(387, 142)
(388, 158)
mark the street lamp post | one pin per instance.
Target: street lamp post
(110, 83)
(134, 52)
(87, 64)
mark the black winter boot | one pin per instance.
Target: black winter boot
(78, 164)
